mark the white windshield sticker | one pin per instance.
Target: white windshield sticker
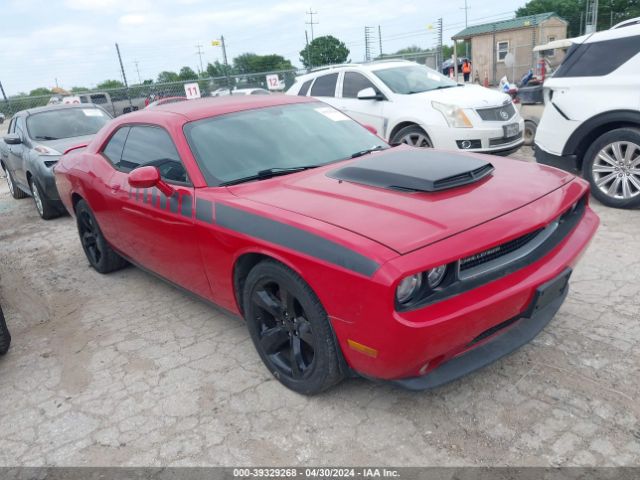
(332, 114)
(92, 112)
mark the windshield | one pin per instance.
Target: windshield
(243, 144)
(66, 123)
(413, 79)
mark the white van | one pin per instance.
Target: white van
(591, 120)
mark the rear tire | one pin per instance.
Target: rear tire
(412, 135)
(529, 133)
(45, 207)
(13, 188)
(612, 167)
(290, 329)
(5, 337)
(98, 251)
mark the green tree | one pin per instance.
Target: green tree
(218, 69)
(252, 63)
(78, 89)
(167, 77)
(36, 92)
(107, 84)
(147, 82)
(187, 73)
(570, 10)
(447, 50)
(324, 50)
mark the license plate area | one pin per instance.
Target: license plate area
(510, 130)
(548, 292)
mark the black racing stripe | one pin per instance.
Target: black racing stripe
(173, 202)
(204, 210)
(294, 238)
(186, 206)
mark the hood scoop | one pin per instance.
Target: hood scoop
(414, 170)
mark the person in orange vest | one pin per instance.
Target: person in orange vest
(466, 70)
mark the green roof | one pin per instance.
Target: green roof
(514, 23)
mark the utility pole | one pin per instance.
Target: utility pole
(138, 70)
(466, 24)
(380, 40)
(226, 63)
(3, 94)
(367, 43)
(581, 18)
(124, 77)
(591, 17)
(311, 13)
(309, 65)
(199, 53)
(440, 52)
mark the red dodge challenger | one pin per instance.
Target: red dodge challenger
(344, 255)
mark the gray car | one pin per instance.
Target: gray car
(34, 143)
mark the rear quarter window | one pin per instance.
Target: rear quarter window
(598, 58)
(305, 88)
(325, 86)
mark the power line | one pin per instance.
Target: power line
(137, 70)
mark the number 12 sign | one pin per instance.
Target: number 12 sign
(273, 82)
(192, 90)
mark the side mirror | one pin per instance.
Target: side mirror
(149, 177)
(371, 129)
(12, 139)
(369, 93)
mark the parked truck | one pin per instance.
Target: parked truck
(115, 106)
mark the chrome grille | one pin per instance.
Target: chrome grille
(497, 114)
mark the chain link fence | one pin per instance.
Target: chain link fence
(123, 100)
(430, 59)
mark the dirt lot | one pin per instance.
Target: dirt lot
(123, 369)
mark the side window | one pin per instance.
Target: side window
(113, 150)
(12, 125)
(152, 146)
(325, 86)
(98, 99)
(305, 88)
(19, 127)
(353, 83)
(598, 58)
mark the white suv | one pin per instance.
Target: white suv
(591, 120)
(410, 103)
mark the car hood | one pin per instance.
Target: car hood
(406, 220)
(64, 144)
(467, 96)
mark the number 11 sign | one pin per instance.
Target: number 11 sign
(192, 90)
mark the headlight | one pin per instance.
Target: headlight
(435, 276)
(408, 287)
(454, 115)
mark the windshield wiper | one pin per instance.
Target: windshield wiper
(268, 173)
(367, 151)
(45, 137)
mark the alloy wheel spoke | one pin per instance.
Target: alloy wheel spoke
(273, 339)
(613, 188)
(628, 154)
(268, 303)
(295, 357)
(626, 190)
(607, 158)
(603, 169)
(617, 151)
(304, 331)
(635, 180)
(606, 179)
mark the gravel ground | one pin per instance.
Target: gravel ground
(123, 369)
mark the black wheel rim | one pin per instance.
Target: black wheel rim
(284, 332)
(89, 237)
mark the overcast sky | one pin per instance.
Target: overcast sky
(73, 40)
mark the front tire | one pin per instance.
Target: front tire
(45, 207)
(412, 135)
(13, 188)
(5, 337)
(290, 329)
(612, 167)
(98, 251)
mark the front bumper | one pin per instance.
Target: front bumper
(489, 134)
(517, 333)
(568, 163)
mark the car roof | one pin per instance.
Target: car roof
(213, 106)
(370, 66)
(47, 108)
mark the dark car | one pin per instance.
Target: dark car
(5, 337)
(35, 141)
